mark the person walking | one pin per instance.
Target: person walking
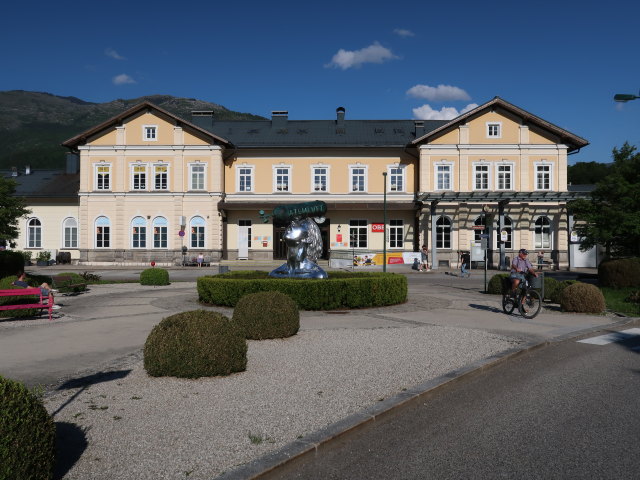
(465, 262)
(200, 259)
(540, 259)
(424, 259)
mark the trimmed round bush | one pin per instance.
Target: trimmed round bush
(623, 272)
(340, 290)
(6, 284)
(582, 298)
(498, 283)
(557, 293)
(27, 434)
(154, 276)
(267, 315)
(195, 344)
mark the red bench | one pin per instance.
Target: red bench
(42, 303)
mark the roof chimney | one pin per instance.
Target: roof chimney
(279, 118)
(340, 111)
(419, 124)
(203, 119)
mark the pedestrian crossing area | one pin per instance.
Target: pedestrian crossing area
(615, 337)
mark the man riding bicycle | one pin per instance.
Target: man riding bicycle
(519, 267)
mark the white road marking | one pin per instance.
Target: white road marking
(612, 337)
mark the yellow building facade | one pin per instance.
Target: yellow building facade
(152, 184)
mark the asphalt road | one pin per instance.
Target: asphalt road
(569, 410)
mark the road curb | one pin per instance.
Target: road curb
(314, 442)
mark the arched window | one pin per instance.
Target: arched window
(197, 232)
(160, 232)
(543, 233)
(480, 221)
(139, 233)
(34, 233)
(103, 232)
(70, 233)
(508, 228)
(443, 232)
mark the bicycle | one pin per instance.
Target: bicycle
(526, 298)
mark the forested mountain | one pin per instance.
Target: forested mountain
(34, 124)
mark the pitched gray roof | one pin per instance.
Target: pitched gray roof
(320, 133)
(46, 184)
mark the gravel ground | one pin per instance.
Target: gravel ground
(137, 427)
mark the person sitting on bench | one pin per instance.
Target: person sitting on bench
(45, 289)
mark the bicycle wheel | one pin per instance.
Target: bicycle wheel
(531, 305)
(508, 304)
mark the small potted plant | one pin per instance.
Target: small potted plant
(26, 254)
(42, 260)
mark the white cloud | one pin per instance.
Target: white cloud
(110, 52)
(441, 93)
(425, 112)
(122, 79)
(374, 53)
(404, 32)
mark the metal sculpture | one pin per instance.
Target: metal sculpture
(303, 239)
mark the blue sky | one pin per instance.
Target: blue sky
(560, 60)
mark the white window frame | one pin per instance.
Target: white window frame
(356, 231)
(160, 231)
(96, 174)
(149, 133)
(511, 175)
(449, 165)
(133, 175)
(536, 167)
(540, 245)
(73, 233)
(203, 174)
(199, 237)
(440, 230)
(476, 172)
(402, 175)
(34, 233)
(289, 176)
(108, 232)
(494, 129)
(239, 175)
(365, 174)
(142, 237)
(398, 230)
(154, 173)
(313, 178)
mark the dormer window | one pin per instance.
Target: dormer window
(149, 133)
(494, 130)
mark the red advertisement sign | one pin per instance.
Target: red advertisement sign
(377, 227)
(339, 237)
(392, 260)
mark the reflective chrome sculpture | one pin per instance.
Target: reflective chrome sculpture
(303, 239)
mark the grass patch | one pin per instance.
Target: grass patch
(615, 300)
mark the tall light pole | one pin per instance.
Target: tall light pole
(384, 208)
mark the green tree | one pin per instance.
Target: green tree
(587, 173)
(611, 216)
(11, 209)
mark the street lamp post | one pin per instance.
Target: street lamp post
(384, 208)
(624, 97)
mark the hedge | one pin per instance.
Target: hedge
(340, 290)
(620, 273)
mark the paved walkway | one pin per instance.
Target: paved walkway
(111, 321)
(104, 329)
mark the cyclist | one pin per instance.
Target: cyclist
(519, 267)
